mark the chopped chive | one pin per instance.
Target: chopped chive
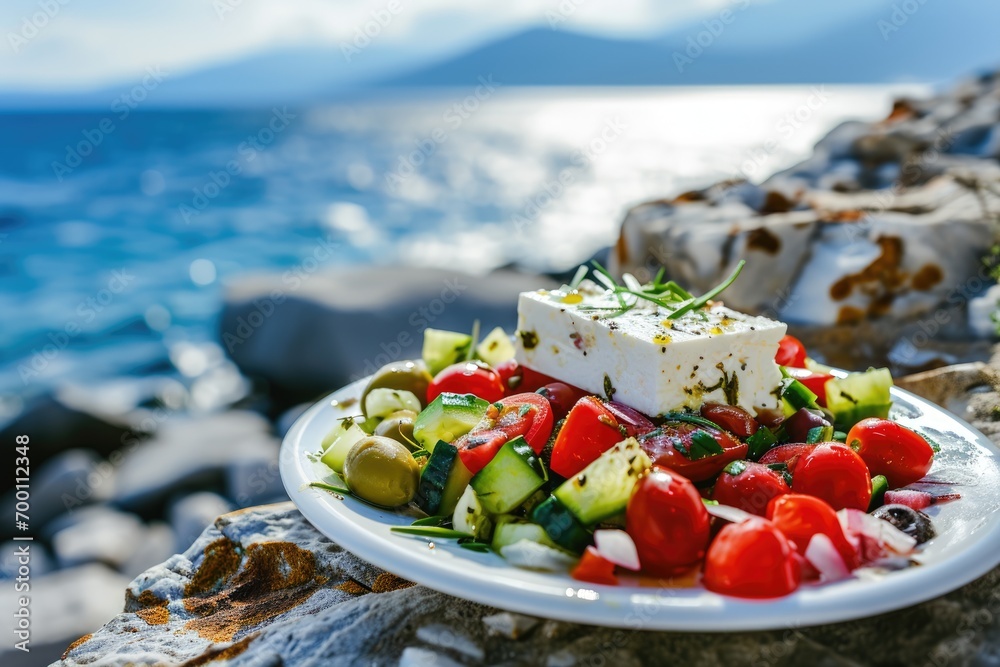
(581, 273)
(435, 520)
(710, 294)
(420, 453)
(430, 531)
(473, 342)
(330, 487)
(478, 547)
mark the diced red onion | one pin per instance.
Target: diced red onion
(617, 546)
(912, 498)
(728, 513)
(873, 528)
(826, 559)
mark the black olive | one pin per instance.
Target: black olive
(914, 523)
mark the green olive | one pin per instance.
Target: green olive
(399, 427)
(381, 471)
(407, 375)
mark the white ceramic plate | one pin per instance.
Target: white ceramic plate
(967, 545)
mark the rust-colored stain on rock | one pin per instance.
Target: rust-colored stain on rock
(775, 202)
(215, 654)
(388, 582)
(352, 587)
(927, 277)
(72, 646)
(235, 589)
(689, 196)
(850, 315)
(901, 110)
(148, 607)
(763, 240)
(881, 281)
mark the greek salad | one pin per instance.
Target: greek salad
(629, 430)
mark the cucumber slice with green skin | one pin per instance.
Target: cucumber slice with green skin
(760, 443)
(511, 529)
(879, 486)
(603, 488)
(444, 348)
(442, 481)
(470, 517)
(514, 474)
(447, 418)
(338, 443)
(496, 348)
(380, 403)
(561, 526)
(859, 396)
(796, 396)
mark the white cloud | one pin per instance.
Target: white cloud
(89, 43)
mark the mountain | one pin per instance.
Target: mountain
(759, 45)
(777, 42)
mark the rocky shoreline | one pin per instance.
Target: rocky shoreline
(873, 249)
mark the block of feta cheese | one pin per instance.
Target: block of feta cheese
(645, 360)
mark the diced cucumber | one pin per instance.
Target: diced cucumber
(819, 434)
(603, 488)
(760, 442)
(879, 486)
(470, 517)
(859, 396)
(796, 395)
(511, 529)
(380, 403)
(444, 348)
(496, 348)
(447, 418)
(513, 475)
(442, 481)
(339, 441)
(561, 526)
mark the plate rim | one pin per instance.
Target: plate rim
(896, 591)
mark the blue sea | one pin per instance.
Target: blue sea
(119, 228)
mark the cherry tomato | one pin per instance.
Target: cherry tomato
(592, 427)
(595, 568)
(835, 473)
(800, 517)
(891, 449)
(511, 376)
(668, 522)
(787, 454)
(467, 377)
(752, 559)
(749, 486)
(677, 445)
(532, 380)
(561, 396)
(791, 353)
(522, 414)
(731, 418)
(814, 382)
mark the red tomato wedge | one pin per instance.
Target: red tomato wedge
(731, 418)
(696, 452)
(467, 377)
(522, 414)
(800, 517)
(752, 559)
(595, 568)
(591, 428)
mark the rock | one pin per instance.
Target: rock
(510, 625)
(98, 534)
(55, 426)
(254, 482)
(40, 565)
(421, 657)
(68, 604)
(319, 333)
(157, 545)
(69, 480)
(982, 311)
(445, 637)
(192, 514)
(854, 235)
(191, 453)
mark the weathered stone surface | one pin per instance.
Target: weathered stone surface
(886, 223)
(191, 452)
(318, 333)
(263, 587)
(97, 534)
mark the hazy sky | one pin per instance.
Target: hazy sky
(80, 43)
